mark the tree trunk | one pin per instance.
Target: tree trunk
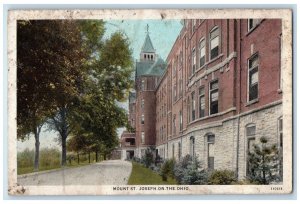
(64, 135)
(89, 157)
(104, 157)
(37, 147)
(96, 156)
(37, 151)
(78, 157)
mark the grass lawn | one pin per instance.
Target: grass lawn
(141, 175)
(26, 170)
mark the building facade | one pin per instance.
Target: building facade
(218, 92)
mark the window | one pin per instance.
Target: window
(214, 43)
(180, 120)
(192, 147)
(252, 23)
(280, 148)
(250, 134)
(179, 150)
(193, 25)
(211, 151)
(143, 85)
(202, 52)
(193, 106)
(143, 137)
(253, 78)
(142, 119)
(214, 97)
(193, 61)
(180, 86)
(201, 102)
(142, 104)
(175, 92)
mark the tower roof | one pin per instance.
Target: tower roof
(151, 68)
(147, 46)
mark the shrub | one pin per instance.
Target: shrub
(136, 159)
(263, 163)
(222, 177)
(148, 159)
(158, 161)
(189, 172)
(167, 169)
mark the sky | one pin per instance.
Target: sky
(163, 34)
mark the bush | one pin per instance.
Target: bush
(189, 172)
(167, 169)
(263, 163)
(136, 159)
(222, 177)
(148, 158)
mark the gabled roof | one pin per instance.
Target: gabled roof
(147, 46)
(142, 67)
(151, 68)
(158, 68)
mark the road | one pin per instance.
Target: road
(112, 172)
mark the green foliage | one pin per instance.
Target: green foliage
(67, 72)
(167, 169)
(148, 158)
(144, 176)
(263, 163)
(189, 172)
(222, 177)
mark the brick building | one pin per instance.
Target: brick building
(217, 93)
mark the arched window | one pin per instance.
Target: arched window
(214, 40)
(210, 151)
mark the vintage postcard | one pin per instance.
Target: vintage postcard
(127, 102)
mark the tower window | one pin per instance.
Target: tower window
(142, 119)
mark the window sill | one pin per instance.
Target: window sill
(252, 102)
(214, 59)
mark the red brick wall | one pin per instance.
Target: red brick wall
(266, 41)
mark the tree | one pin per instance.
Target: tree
(47, 58)
(263, 163)
(67, 72)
